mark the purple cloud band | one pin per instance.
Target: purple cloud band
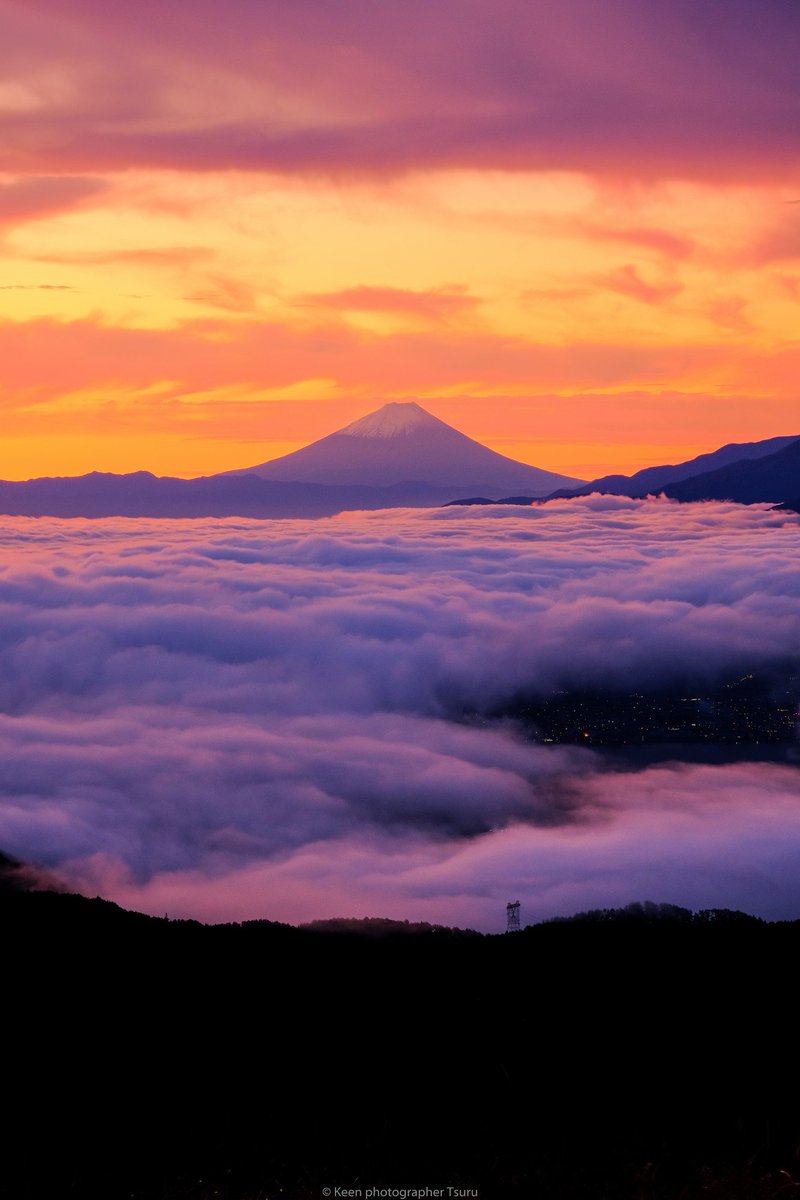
(699, 89)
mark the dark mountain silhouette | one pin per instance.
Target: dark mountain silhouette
(651, 480)
(774, 478)
(402, 442)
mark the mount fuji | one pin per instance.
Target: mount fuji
(397, 457)
(403, 444)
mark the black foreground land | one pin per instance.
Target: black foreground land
(648, 1054)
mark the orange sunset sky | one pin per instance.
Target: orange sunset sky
(572, 230)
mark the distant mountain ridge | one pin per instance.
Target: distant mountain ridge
(774, 477)
(655, 479)
(141, 494)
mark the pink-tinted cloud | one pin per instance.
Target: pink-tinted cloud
(628, 282)
(559, 294)
(160, 256)
(670, 245)
(436, 304)
(729, 313)
(230, 295)
(781, 243)
(790, 284)
(29, 199)
(241, 715)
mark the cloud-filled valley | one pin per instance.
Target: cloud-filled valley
(232, 718)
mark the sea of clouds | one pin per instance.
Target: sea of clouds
(230, 718)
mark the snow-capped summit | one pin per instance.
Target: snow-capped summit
(393, 420)
(402, 443)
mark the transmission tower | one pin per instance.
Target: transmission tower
(512, 912)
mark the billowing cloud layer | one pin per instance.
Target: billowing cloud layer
(233, 718)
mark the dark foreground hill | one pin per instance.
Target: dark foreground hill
(648, 1055)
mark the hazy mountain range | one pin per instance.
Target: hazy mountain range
(398, 456)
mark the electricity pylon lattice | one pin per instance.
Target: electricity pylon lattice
(512, 912)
